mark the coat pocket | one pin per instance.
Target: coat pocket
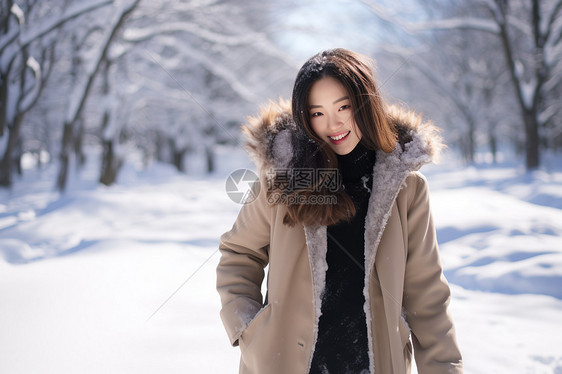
(249, 332)
(406, 343)
(404, 331)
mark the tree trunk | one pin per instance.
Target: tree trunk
(64, 157)
(78, 144)
(17, 157)
(532, 143)
(85, 91)
(471, 143)
(18, 46)
(467, 143)
(529, 111)
(110, 164)
(177, 155)
(178, 160)
(7, 161)
(210, 155)
(3, 99)
(159, 147)
(493, 141)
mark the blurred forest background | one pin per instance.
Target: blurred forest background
(170, 79)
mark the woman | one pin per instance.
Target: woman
(354, 277)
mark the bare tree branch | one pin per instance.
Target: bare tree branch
(468, 23)
(28, 36)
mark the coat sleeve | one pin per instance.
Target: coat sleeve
(240, 272)
(426, 291)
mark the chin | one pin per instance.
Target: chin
(343, 152)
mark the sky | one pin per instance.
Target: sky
(317, 25)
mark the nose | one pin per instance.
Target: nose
(335, 122)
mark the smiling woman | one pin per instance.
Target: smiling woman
(354, 281)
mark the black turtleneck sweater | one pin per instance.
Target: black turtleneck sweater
(342, 345)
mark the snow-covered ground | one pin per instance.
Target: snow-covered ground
(122, 279)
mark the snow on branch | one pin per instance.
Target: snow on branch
(520, 24)
(52, 23)
(384, 13)
(30, 96)
(141, 34)
(267, 47)
(443, 24)
(529, 90)
(78, 98)
(18, 13)
(259, 40)
(433, 76)
(553, 56)
(553, 23)
(34, 32)
(456, 23)
(209, 63)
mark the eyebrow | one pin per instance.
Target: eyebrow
(336, 101)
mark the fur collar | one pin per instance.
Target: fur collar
(272, 138)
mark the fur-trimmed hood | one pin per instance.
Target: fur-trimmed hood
(274, 141)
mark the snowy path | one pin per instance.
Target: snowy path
(107, 258)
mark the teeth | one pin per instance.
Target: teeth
(339, 136)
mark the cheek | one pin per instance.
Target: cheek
(316, 126)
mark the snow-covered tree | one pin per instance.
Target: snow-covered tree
(454, 76)
(529, 35)
(99, 57)
(166, 77)
(26, 58)
(211, 66)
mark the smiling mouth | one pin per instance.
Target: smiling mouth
(340, 136)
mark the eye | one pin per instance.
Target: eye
(344, 107)
(316, 114)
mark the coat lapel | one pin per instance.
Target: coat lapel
(317, 244)
(389, 175)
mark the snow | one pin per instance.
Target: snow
(139, 34)
(80, 91)
(500, 243)
(50, 23)
(18, 13)
(32, 94)
(215, 66)
(122, 279)
(528, 91)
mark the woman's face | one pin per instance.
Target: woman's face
(331, 115)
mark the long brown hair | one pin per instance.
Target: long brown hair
(355, 73)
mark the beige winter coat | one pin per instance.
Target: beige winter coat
(406, 293)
